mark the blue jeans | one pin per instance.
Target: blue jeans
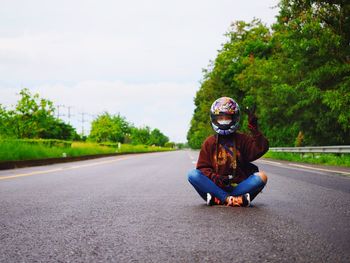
(203, 185)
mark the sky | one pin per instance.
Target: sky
(140, 59)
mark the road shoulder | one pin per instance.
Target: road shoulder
(341, 170)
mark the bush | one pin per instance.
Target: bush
(169, 145)
(44, 142)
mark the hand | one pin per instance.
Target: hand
(223, 180)
(252, 119)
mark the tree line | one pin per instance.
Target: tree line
(297, 73)
(33, 118)
(115, 128)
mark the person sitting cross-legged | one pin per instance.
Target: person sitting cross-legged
(224, 174)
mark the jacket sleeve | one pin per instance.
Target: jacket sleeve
(254, 146)
(206, 163)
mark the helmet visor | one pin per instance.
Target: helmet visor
(224, 121)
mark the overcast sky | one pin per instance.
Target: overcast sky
(142, 59)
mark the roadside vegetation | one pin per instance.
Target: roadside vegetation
(33, 117)
(30, 130)
(316, 158)
(14, 150)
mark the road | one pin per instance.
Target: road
(140, 208)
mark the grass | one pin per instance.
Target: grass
(316, 158)
(14, 150)
(126, 148)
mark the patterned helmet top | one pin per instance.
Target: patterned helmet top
(224, 105)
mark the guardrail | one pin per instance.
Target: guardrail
(313, 149)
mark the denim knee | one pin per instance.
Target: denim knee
(257, 181)
(194, 175)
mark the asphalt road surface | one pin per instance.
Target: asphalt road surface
(140, 208)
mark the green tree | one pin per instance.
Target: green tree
(297, 73)
(140, 135)
(314, 48)
(246, 43)
(4, 123)
(33, 117)
(157, 138)
(108, 127)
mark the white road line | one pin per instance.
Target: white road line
(269, 162)
(296, 166)
(29, 174)
(319, 169)
(62, 169)
(94, 164)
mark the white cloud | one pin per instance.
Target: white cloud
(126, 40)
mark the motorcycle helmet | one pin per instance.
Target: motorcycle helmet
(225, 116)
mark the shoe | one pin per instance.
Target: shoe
(241, 200)
(212, 200)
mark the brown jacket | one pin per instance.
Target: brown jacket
(249, 148)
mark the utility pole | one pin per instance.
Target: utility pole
(83, 120)
(69, 114)
(93, 116)
(58, 111)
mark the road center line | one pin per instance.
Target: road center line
(61, 169)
